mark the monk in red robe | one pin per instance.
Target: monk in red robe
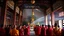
(35, 29)
(43, 31)
(49, 31)
(25, 31)
(21, 31)
(28, 30)
(38, 30)
(2, 31)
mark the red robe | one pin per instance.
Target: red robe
(38, 30)
(43, 31)
(49, 32)
(2, 32)
(28, 30)
(25, 32)
(21, 32)
(35, 29)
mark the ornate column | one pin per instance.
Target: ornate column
(3, 13)
(14, 19)
(19, 17)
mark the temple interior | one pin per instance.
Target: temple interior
(31, 18)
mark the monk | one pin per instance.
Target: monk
(35, 30)
(14, 31)
(43, 31)
(26, 31)
(62, 32)
(28, 28)
(2, 30)
(21, 31)
(38, 30)
(49, 31)
(56, 30)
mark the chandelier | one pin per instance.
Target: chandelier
(32, 1)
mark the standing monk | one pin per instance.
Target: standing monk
(56, 30)
(2, 31)
(43, 31)
(14, 31)
(28, 28)
(38, 30)
(21, 31)
(62, 32)
(49, 31)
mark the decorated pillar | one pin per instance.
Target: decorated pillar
(3, 13)
(19, 17)
(14, 19)
(32, 14)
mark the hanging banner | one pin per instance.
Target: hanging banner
(57, 5)
(61, 14)
(10, 4)
(17, 9)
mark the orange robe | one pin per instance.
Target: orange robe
(14, 32)
(56, 32)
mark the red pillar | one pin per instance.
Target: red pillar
(46, 19)
(52, 18)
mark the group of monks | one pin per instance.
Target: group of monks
(47, 30)
(15, 30)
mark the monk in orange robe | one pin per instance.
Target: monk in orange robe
(14, 31)
(57, 31)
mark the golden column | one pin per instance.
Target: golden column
(32, 19)
(32, 14)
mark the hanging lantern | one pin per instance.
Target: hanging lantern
(32, 1)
